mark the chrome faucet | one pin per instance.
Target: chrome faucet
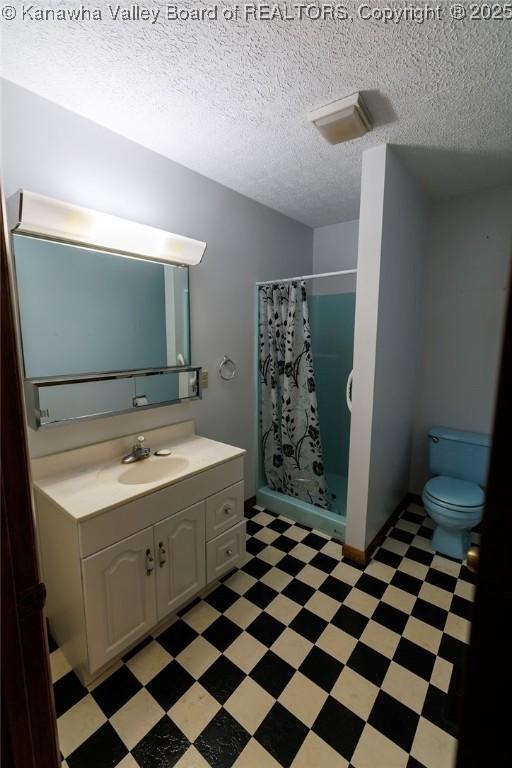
(138, 452)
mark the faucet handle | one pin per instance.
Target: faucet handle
(139, 448)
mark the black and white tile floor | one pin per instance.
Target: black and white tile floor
(298, 659)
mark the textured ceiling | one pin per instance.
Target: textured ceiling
(229, 99)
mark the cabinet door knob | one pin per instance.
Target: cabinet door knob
(162, 554)
(150, 563)
(227, 509)
(229, 552)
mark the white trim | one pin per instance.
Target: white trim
(170, 317)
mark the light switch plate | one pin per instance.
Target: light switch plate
(204, 378)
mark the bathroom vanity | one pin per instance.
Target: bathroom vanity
(123, 547)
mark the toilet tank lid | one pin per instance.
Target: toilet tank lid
(461, 436)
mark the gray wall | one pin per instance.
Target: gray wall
(73, 159)
(334, 248)
(392, 233)
(466, 278)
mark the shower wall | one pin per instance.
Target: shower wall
(332, 335)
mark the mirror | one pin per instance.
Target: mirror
(54, 402)
(84, 311)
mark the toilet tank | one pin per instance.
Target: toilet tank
(455, 453)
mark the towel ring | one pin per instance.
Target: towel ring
(227, 369)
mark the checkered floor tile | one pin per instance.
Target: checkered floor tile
(298, 659)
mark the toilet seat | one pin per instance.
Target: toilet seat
(455, 495)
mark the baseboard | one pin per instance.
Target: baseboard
(363, 557)
(354, 555)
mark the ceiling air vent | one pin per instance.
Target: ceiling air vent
(342, 120)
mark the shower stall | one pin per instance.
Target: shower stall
(327, 315)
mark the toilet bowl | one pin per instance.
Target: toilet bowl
(456, 506)
(454, 498)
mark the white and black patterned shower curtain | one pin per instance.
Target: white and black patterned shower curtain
(290, 429)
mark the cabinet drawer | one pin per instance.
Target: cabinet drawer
(225, 552)
(224, 510)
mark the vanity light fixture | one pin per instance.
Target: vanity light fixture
(342, 120)
(40, 216)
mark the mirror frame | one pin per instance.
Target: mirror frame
(34, 386)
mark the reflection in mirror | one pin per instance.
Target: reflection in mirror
(53, 403)
(87, 311)
(160, 388)
(65, 402)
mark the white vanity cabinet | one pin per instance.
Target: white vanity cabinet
(116, 574)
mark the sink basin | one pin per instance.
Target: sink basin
(152, 470)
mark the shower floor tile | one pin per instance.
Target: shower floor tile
(294, 660)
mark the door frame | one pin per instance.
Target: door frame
(484, 737)
(29, 726)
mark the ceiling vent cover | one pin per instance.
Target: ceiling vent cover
(342, 120)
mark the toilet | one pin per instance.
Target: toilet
(454, 497)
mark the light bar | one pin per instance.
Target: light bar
(45, 217)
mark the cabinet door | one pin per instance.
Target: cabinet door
(180, 558)
(119, 595)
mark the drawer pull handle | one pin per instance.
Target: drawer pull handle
(229, 552)
(162, 554)
(227, 510)
(150, 563)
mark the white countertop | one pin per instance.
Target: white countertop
(88, 481)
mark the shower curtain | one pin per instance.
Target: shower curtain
(290, 429)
